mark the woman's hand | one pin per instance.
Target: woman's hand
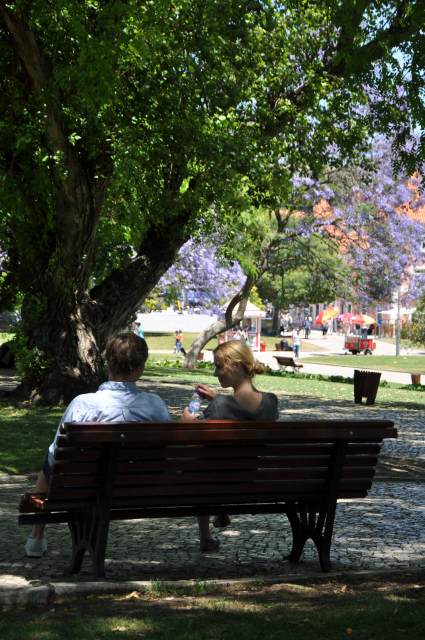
(186, 416)
(205, 392)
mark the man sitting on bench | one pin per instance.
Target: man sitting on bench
(117, 400)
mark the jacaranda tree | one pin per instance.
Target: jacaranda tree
(379, 235)
(199, 279)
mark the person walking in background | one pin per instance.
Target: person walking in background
(179, 343)
(307, 326)
(296, 343)
(235, 367)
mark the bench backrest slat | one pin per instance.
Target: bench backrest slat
(214, 462)
(78, 454)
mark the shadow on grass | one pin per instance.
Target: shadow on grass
(351, 406)
(25, 434)
(331, 609)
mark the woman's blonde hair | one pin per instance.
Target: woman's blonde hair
(235, 352)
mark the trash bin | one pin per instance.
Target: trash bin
(366, 385)
(262, 345)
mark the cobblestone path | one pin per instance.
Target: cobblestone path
(383, 531)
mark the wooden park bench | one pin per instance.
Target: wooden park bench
(104, 472)
(286, 361)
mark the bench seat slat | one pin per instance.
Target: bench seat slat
(208, 477)
(199, 501)
(231, 463)
(195, 437)
(89, 454)
(282, 488)
(225, 424)
(212, 451)
(78, 454)
(127, 509)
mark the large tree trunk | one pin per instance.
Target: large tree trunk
(230, 320)
(71, 361)
(64, 324)
(70, 332)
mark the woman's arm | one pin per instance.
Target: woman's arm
(205, 392)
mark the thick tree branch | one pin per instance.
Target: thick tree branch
(132, 282)
(240, 301)
(348, 59)
(79, 199)
(351, 59)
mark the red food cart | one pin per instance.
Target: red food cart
(357, 344)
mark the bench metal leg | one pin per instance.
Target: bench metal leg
(77, 526)
(100, 548)
(89, 533)
(89, 528)
(310, 523)
(299, 537)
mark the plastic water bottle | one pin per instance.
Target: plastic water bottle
(195, 403)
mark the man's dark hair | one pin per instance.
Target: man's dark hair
(126, 353)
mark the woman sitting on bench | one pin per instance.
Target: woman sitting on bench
(235, 367)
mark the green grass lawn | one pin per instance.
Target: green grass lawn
(26, 431)
(165, 342)
(404, 364)
(390, 394)
(25, 434)
(381, 608)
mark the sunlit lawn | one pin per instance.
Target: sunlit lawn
(166, 342)
(381, 608)
(26, 431)
(407, 364)
(290, 384)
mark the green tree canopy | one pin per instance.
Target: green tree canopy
(126, 126)
(313, 272)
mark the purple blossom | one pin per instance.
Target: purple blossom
(201, 278)
(370, 201)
